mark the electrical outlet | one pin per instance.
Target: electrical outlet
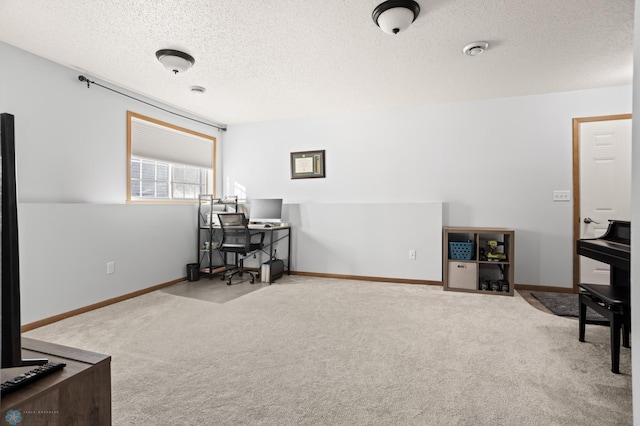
(111, 268)
(561, 195)
(412, 255)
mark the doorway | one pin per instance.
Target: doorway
(601, 185)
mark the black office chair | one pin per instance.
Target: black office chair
(238, 239)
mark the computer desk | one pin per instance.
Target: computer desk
(270, 230)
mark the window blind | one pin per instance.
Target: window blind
(150, 140)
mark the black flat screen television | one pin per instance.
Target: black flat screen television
(11, 354)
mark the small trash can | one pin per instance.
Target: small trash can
(193, 271)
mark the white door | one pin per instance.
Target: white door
(605, 185)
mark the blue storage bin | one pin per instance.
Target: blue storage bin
(460, 250)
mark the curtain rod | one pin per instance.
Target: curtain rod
(90, 82)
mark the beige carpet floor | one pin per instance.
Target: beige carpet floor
(309, 351)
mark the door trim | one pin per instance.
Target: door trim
(576, 185)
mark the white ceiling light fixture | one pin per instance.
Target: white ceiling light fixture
(175, 60)
(394, 16)
(476, 48)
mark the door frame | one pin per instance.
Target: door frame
(576, 185)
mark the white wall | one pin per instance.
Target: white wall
(492, 163)
(71, 173)
(70, 140)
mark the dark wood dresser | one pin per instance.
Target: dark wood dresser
(79, 394)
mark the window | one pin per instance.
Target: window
(188, 182)
(166, 162)
(158, 180)
(149, 179)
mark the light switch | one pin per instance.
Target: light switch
(562, 195)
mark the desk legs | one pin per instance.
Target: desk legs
(271, 251)
(289, 251)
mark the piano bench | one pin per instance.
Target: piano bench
(613, 303)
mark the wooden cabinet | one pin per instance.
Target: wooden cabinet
(77, 395)
(478, 260)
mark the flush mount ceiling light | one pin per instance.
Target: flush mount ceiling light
(476, 48)
(175, 60)
(394, 16)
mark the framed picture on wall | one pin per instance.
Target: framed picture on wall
(307, 164)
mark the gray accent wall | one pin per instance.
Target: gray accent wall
(367, 239)
(65, 248)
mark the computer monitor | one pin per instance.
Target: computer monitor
(265, 210)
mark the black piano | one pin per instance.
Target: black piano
(613, 248)
(613, 301)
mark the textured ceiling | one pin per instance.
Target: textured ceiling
(271, 59)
